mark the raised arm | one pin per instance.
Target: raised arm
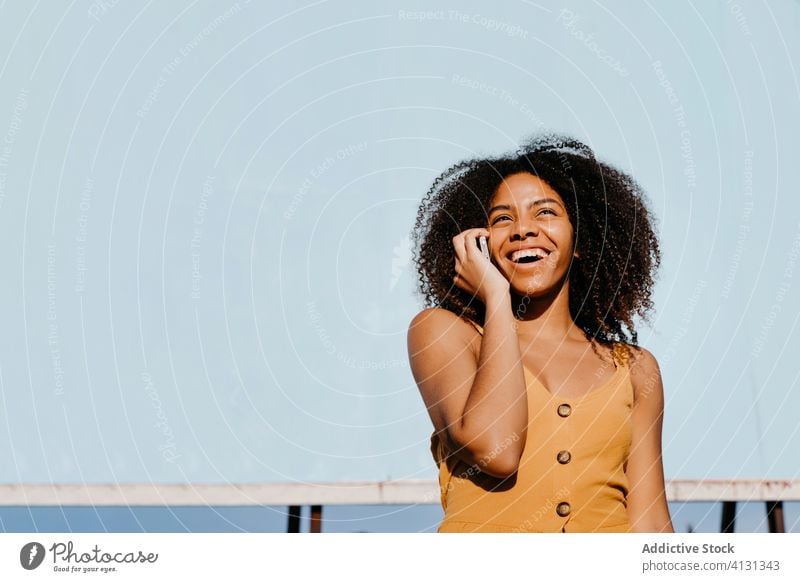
(474, 389)
(478, 406)
(647, 501)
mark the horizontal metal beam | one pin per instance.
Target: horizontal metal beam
(406, 492)
(733, 490)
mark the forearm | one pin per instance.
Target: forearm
(656, 521)
(495, 419)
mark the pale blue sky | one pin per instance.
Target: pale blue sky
(205, 209)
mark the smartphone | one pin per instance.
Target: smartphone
(484, 247)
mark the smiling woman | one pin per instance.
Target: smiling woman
(547, 416)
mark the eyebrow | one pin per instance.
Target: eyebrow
(534, 203)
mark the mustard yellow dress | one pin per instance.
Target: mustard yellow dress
(571, 476)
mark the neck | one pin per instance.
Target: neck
(544, 317)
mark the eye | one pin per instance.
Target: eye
(548, 211)
(501, 217)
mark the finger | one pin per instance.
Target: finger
(463, 240)
(458, 246)
(459, 282)
(476, 233)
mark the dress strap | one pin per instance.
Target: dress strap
(476, 326)
(621, 353)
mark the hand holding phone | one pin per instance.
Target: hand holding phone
(483, 281)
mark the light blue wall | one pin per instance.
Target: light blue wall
(205, 209)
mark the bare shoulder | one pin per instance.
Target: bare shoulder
(642, 359)
(436, 324)
(442, 356)
(645, 374)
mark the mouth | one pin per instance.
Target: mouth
(528, 256)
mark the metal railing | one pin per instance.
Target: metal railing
(406, 492)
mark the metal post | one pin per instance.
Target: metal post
(294, 519)
(316, 519)
(728, 517)
(775, 517)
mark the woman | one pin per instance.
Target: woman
(547, 417)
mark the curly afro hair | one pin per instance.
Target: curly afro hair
(612, 281)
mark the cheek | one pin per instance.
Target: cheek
(561, 233)
(494, 240)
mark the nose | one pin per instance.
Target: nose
(525, 228)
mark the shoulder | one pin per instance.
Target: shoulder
(645, 374)
(436, 325)
(432, 315)
(642, 360)
(440, 321)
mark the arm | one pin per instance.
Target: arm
(478, 407)
(647, 501)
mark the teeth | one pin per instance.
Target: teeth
(538, 253)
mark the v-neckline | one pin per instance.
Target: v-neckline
(610, 382)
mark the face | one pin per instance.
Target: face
(531, 236)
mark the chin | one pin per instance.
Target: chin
(531, 293)
(535, 285)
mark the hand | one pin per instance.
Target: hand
(474, 274)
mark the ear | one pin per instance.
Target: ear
(576, 254)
